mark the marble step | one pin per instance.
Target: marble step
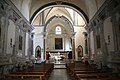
(59, 66)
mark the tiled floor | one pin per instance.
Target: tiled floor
(59, 74)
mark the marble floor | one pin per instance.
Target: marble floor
(59, 74)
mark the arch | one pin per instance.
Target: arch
(38, 52)
(63, 3)
(72, 29)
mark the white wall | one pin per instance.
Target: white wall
(26, 44)
(67, 44)
(108, 32)
(11, 35)
(79, 38)
(92, 48)
(25, 8)
(38, 39)
(50, 41)
(17, 3)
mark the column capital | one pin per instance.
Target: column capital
(73, 35)
(85, 34)
(44, 33)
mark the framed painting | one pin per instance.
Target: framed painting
(80, 51)
(58, 43)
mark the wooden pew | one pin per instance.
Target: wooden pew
(85, 72)
(24, 76)
(19, 79)
(39, 71)
(100, 78)
(90, 72)
(94, 75)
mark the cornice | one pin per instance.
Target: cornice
(17, 15)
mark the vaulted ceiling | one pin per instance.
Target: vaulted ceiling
(29, 8)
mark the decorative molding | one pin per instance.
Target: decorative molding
(73, 35)
(104, 11)
(5, 60)
(15, 17)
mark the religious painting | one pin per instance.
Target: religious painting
(80, 51)
(58, 43)
(20, 42)
(38, 52)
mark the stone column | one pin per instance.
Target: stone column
(24, 41)
(44, 44)
(3, 34)
(30, 39)
(16, 40)
(73, 45)
(32, 36)
(73, 48)
(86, 44)
(6, 24)
(115, 32)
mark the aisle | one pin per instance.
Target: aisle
(59, 74)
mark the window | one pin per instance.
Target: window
(58, 30)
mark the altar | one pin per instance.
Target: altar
(58, 56)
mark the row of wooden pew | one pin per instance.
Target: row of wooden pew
(80, 71)
(36, 72)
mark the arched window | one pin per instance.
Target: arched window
(58, 30)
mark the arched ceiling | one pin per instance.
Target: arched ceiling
(58, 11)
(88, 7)
(72, 16)
(61, 22)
